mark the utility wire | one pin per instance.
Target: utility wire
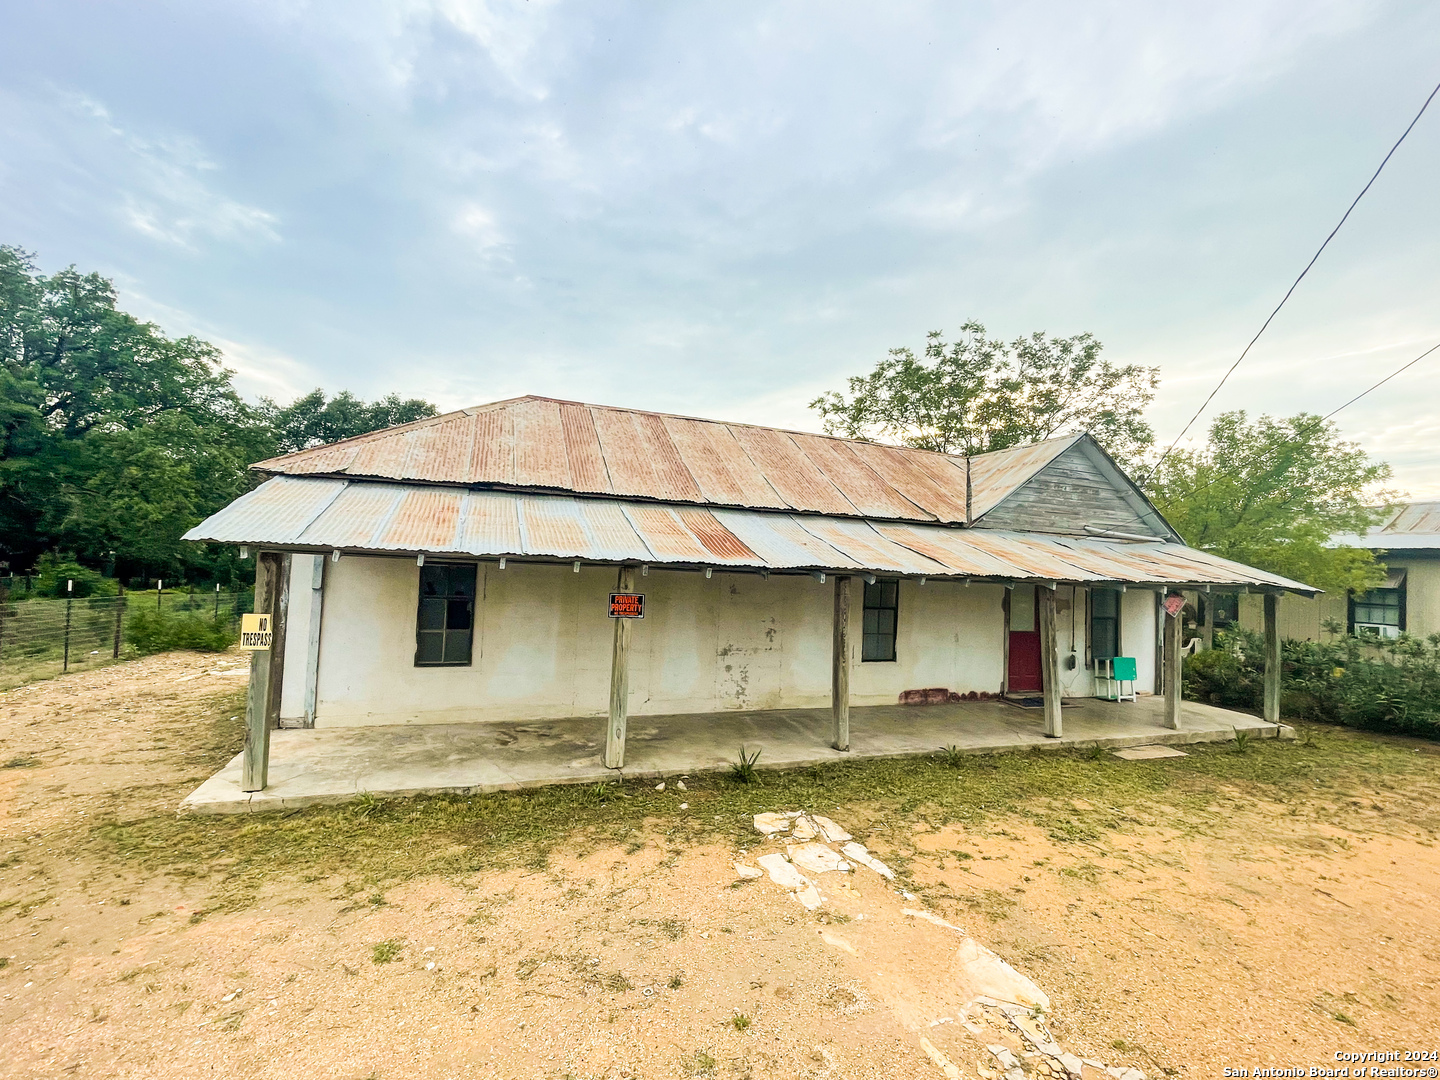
(1204, 404)
(1314, 426)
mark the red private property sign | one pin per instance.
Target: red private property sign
(627, 605)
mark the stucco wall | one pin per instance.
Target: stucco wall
(735, 641)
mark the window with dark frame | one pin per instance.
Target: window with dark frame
(445, 621)
(882, 605)
(1378, 612)
(1104, 624)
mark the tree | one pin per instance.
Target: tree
(115, 439)
(1271, 492)
(313, 421)
(975, 395)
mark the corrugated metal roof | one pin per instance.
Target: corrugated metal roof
(359, 516)
(1410, 526)
(546, 445)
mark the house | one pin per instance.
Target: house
(465, 569)
(1407, 542)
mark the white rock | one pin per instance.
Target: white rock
(749, 873)
(981, 973)
(782, 872)
(832, 832)
(1004, 1056)
(1072, 1064)
(808, 896)
(770, 824)
(680, 786)
(816, 858)
(931, 917)
(856, 852)
(804, 829)
(684, 806)
(660, 786)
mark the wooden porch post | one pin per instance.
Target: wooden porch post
(255, 757)
(619, 680)
(1272, 658)
(312, 640)
(1049, 660)
(1172, 668)
(840, 665)
(1207, 625)
(281, 613)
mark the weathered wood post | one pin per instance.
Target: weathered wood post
(1272, 658)
(1172, 667)
(1049, 661)
(1207, 625)
(255, 757)
(119, 619)
(619, 680)
(312, 638)
(840, 665)
(281, 612)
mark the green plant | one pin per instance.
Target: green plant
(1095, 753)
(702, 1064)
(952, 755)
(387, 951)
(152, 631)
(743, 770)
(676, 981)
(616, 982)
(740, 1022)
(1242, 740)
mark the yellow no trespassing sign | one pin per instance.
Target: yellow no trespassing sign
(256, 633)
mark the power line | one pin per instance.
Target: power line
(1301, 434)
(1204, 404)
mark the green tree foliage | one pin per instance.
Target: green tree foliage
(115, 439)
(975, 394)
(313, 421)
(1271, 492)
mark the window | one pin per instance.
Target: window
(882, 601)
(1379, 612)
(1227, 609)
(444, 624)
(1104, 624)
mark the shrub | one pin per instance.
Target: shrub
(152, 631)
(1381, 685)
(55, 570)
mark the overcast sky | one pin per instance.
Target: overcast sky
(724, 209)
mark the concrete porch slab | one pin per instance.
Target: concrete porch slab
(332, 765)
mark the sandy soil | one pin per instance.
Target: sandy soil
(1273, 940)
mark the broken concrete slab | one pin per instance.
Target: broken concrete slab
(804, 829)
(981, 973)
(809, 896)
(782, 871)
(770, 824)
(1148, 753)
(856, 852)
(832, 832)
(816, 858)
(748, 873)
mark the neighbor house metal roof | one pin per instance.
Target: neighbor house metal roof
(540, 444)
(307, 513)
(1410, 526)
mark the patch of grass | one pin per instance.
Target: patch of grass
(616, 982)
(701, 1063)
(952, 756)
(676, 981)
(384, 843)
(740, 1022)
(672, 928)
(5, 962)
(743, 770)
(22, 761)
(1243, 739)
(387, 951)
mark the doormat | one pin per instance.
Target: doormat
(1036, 703)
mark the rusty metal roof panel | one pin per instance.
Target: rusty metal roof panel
(725, 474)
(490, 524)
(933, 482)
(492, 455)
(582, 450)
(952, 549)
(666, 535)
(861, 544)
(995, 475)
(627, 459)
(276, 512)
(857, 481)
(780, 543)
(612, 537)
(441, 451)
(795, 478)
(358, 518)
(426, 519)
(541, 460)
(553, 526)
(1413, 525)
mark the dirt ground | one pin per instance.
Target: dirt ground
(1279, 933)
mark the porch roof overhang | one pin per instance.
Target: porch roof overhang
(386, 518)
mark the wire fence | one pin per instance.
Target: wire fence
(42, 636)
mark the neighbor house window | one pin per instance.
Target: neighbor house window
(1104, 623)
(882, 601)
(1379, 612)
(445, 622)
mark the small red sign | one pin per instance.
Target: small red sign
(627, 605)
(1174, 604)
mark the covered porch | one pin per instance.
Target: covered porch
(317, 766)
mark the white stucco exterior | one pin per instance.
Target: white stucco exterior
(542, 644)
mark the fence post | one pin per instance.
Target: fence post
(159, 592)
(217, 601)
(119, 615)
(69, 593)
(4, 610)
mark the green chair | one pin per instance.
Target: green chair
(1111, 677)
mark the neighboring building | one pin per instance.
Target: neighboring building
(458, 568)
(1407, 542)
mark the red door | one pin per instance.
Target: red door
(1024, 674)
